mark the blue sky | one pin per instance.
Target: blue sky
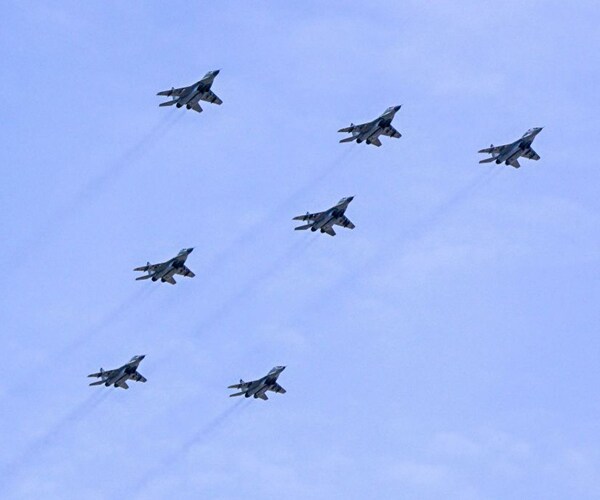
(445, 348)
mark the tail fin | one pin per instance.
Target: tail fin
(302, 228)
(237, 394)
(487, 160)
(168, 103)
(349, 139)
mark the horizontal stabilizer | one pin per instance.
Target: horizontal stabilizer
(348, 139)
(168, 103)
(145, 277)
(487, 160)
(302, 228)
(98, 382)
(237, 394)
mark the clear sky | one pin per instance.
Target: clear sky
(446, 348)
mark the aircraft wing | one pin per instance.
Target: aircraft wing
(329, 230)
(493, 149)
(210, 96)
(345, 222)
(309, 217)
(242, 386)
(185, 271)
(360, 127)
(106, 373)
(173, 91)
(277, 388)
(170, 279)
(262, 396)
(515, 163)
(149, 267)
(375, 141)
(530, 154)
(123, 385)
(138, 377)
(391, 132)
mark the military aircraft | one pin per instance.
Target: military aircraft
(189, 96)
(509, 154)
(370, 131)
(258, 388)
(120, 376)
(325, 220)
(166, 270)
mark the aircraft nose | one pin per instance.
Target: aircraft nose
(141, 356)
(190, 250)
(350, 198)
(216, 72)
(397, 108)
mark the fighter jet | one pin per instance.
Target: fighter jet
(166, 270)
(509, 154)
(189, 96)
(370, 131)
(120, 376)
(326, 220)
(258, 388)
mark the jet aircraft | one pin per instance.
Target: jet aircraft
(166, 270)
(120, 376)
(258, 388)
(327, 219)
(189, 96)
(370, 131)
(509, 154)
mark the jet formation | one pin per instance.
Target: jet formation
(369, 132)
(325, 221)
(190, 96)
(509, 154)
(258, 388)
(120, 376)
(320, 221)
(166, 270)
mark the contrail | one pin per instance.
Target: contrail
(97, 185)
(297, 248)
(109, 319)
(253, 231)
(423, 225)
(200, 436)
(71, 419)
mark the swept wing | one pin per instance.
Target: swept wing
(277, 388)
(173, 92)
(344, 222)
(530, 154)
(185, 271)
(390, 132)
(309, 217)
(210, 96)
(493, 150)
(150, 267)
(104, 373)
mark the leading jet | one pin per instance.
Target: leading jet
(258, 388)
(327, 219)
(369, 132)
(120, 376)
(166, 270)
(189, 96)
(509, 154)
